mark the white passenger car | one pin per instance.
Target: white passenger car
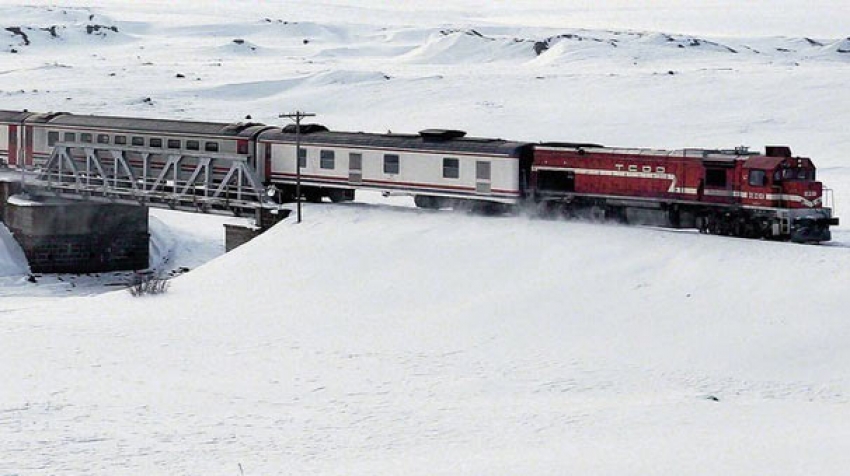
(436, 166)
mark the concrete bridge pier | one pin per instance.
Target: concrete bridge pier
(63, 236)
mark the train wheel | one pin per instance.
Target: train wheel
(427, 202)
(488, 208)
(337, 195)
(313, 195)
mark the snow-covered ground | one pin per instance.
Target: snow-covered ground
(379, 339)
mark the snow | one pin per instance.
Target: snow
(431, 366)
(12, 259)
(375, 338)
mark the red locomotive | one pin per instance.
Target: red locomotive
(730, 192)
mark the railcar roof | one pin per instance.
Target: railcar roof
(400, 141)
(146, 125)
(713, 155)
(13, 116)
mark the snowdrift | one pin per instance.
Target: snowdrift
(12, 259)
(841, 47)
(265, 89)
(468, 47)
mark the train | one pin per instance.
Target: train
(771, 195)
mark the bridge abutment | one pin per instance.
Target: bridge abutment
(238, 235)
(61, 236)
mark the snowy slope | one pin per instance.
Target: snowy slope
(12, 259)
(378, 339)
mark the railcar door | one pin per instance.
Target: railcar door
(28, 146)
(266, 152)
(355, 168)
(482, 177)
(13, 145)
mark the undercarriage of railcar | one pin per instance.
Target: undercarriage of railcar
(797, 225)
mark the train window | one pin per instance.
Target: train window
(173, 143)
(211, 147)
(139, 141)
(155, 142)
(120, 140)
(327, 159)
(302, 158)
(69, 137)
(52, 138)
(355, 161)
(103, 138)
(391, 164)
(86, 137)
(715, 178)
(241, 147)
(791, 174)
(758, 178)
(451, 168)
(193, 145)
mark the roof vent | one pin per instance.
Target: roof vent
(43, 118)
(572, 145)
(305, 128)
(238, 127)
(441, 134)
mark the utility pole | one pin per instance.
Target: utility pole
(297, 116)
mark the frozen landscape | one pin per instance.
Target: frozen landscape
(376, 338)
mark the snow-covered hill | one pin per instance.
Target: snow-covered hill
(385, 341)
(379, 339)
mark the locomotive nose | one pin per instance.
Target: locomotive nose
(812, 229)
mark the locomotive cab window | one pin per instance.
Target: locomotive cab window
(211, 147)
(451, 168)
(52, 138)
(193, 145)
(758, 178)
(391, 164)
(791, 174)
(139, 141)
(326, 159)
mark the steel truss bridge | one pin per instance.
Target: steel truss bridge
(186, 180)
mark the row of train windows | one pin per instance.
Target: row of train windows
(392, 163)
(154, 142)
